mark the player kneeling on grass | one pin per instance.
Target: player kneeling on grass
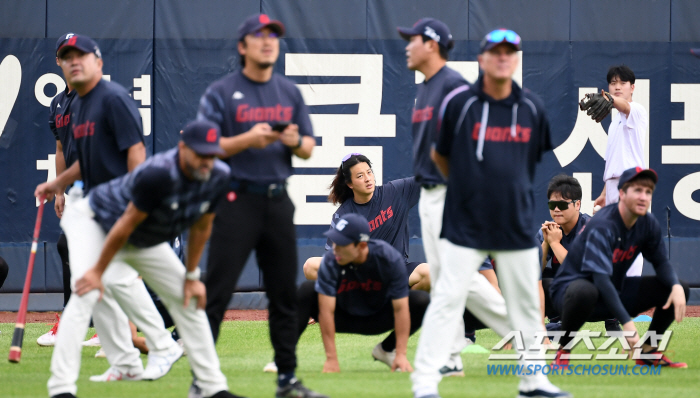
(361, 288)
(130, 220)
(591, 284)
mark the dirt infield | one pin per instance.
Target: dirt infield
(231, 315)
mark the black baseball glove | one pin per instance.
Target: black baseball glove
(597, 105)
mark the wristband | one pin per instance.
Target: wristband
(194, 275)
(300, 141)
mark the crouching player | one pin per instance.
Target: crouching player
(361, 288)
(591, 284)
(127, 222)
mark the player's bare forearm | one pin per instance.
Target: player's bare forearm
(559, 251)
(621, 105)
(402, 324)
(59, 185)
(442, 162)
(545, 249)
(119, 235)
(60, 160)
(326, 315)
(135, 156)
(198, 236)
(307, 146)
(234, 145)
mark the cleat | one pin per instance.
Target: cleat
(93, 341)
(270, 368)
(48, 339)
(101, 353)
(113, 374)
(537, 393)
(563, 363)
(297, 390)
(612, 325)
(662, 361)
(159, 364)
(379, 354)
(225, 394)
(453, 367)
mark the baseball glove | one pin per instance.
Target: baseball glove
(597, 105)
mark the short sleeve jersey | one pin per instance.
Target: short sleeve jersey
(237, 103)
(498, 189)
(364, 289)
(424, 121)
(606, 246)
(566, 240)
(59, 123)
(105, 124)
(387, 212)
(626, 135)
(160, 188)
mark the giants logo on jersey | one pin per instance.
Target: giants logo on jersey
(623, 255)
(502, 134)
(422, 115)
(379, 220)
(62, 121)
(367, 286)
(84, 130)
(277, 113)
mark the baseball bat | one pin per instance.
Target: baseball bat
(18, 336)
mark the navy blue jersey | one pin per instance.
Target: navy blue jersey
(364, 289)
(424, 120)
(387, 212)
(105, 124)
(607, 247)
(237, 103)
(492, 168)
(159, 187)
(59, 123)
(566, 240)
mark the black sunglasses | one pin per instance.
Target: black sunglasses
(560, 204)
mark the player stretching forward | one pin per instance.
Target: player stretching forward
(491, 138)
(592, 285)
(129, 221)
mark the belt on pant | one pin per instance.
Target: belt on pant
(269, 190)
(430, 186)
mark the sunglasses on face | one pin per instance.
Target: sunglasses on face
(559, 204)
(503, 35)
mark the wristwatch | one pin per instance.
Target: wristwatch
(194, 275)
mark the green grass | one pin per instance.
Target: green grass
(244, 348)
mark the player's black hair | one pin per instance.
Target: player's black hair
(567, 186)
(623, 72)
(242, 58)
(340, 192)
(444, 52)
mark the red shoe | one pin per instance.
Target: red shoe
(663, 361)
(562, 363)
(48, 339)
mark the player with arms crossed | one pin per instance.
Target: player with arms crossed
(491, 137)
(258, 213)
(592, 285)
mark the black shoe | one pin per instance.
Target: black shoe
(225, 394)
(64, 395)
(612, 325)
(297, 390)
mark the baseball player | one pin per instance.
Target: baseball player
(429, 43)
(498, 133)
(592, 285)
(361, 288)
(626, 136)
(263, 121)
(106, 129)
(129, 221)
(387, 207)
(66, 155)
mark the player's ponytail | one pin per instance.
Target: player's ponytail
(340, 192)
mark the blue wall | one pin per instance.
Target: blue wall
(167, 52)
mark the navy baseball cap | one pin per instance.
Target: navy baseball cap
(82, 43)
(635, 172)
(351, 228)
(256, 22)
(62, 40)
(432, 28)
(202, 136)
(498, 36)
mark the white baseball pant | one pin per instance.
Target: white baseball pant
(518, 275)
(164, 272)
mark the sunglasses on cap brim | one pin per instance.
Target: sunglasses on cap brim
(504, 36)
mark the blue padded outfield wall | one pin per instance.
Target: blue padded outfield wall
(349, 62)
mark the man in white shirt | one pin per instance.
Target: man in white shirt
(626, 136)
